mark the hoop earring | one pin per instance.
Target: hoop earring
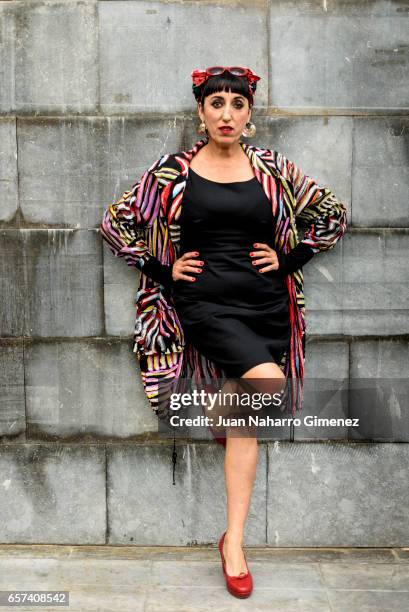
(202, 128)
(250, 130)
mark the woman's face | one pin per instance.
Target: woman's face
(224, 108)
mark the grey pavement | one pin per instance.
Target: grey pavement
(149, 579)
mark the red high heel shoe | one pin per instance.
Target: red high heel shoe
(241, 585)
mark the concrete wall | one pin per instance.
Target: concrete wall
(91, 93)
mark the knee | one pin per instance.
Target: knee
(265, 370)
(263, 378)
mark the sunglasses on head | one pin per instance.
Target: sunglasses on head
(199, 76)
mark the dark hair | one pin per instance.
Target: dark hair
(224, 82)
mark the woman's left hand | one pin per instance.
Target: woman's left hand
(267, 255)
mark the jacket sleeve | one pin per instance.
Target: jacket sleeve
(124, 226)
(295, 259)
(316, 207)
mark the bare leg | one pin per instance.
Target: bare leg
(240, 471)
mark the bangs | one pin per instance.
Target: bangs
(226, 82)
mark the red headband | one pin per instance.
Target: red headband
(200, 76)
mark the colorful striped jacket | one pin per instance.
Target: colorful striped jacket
(143, 228)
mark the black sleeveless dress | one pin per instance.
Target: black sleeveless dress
(233, 314)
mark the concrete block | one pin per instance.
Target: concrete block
(121, 283)
(205, 598)
(145, 508)
(104, 584)
(340, 55)
(380, 389)
(52, 494)
(326, 390)
(132, 144)
(344, 601)
(63, 171)
(13, 283)
(12, 400)
(52, 283)
(381, 577)
(8, 168)
(55, 66)
(319, 146)
(380, 174)
(129, 29)
(7, 56)
(338, 494)
(324, 292)
(360, 286)
(64, 183)
(88, 388)
(375, 282)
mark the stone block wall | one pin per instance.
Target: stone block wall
(91, 93)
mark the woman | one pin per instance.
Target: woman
(230, 286)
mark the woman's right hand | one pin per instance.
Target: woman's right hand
(185, 264)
